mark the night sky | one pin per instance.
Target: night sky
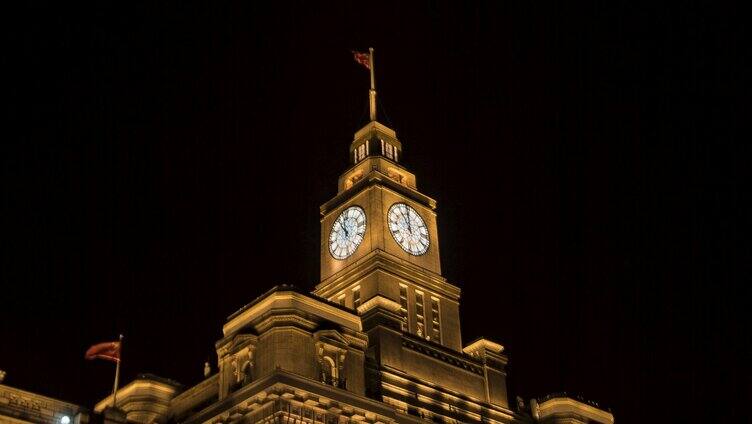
(164, 164)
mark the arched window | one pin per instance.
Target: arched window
(247, 378)
(329, 371)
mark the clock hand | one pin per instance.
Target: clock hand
(347, 233)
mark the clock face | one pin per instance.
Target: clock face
(347, 232)
(408, 229)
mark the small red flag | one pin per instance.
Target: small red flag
(109, 351)
(363, 58)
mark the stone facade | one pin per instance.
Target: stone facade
(377, 341)
(20, 406)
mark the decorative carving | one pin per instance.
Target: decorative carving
(25, 402)
(235, 369)
(287, 409)
(236, 362)
(331, 361)
(396, 176)
(353, 179)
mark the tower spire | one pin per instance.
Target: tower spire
(374, 139)
(372, 91)
(366, 59)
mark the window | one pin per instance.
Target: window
(330, 373)
(382, 147)
(356, 297)
(435, 319)
(420, 323)
(389, 150)
(246, 373)
(355, 155)
(395, 154)
(361, 151)
(403, 306)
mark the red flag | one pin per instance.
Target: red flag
(363, 58)
(109, 351)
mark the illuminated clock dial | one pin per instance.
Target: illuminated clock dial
(347, 232)
(408, 229)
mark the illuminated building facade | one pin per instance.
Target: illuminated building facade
(377, 341)
(21, 407)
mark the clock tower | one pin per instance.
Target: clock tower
(380, 241)
(377, 342)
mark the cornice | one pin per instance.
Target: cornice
(385, 262)
(483, 344)
(560, 406)
(38, 407)
(442, 354)
(380, 302)
(281, 385)
(375, 126)
(140, 388)
(291, 300)
(376, 179)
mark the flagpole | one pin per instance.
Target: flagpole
(117, 374)
(372, 91)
